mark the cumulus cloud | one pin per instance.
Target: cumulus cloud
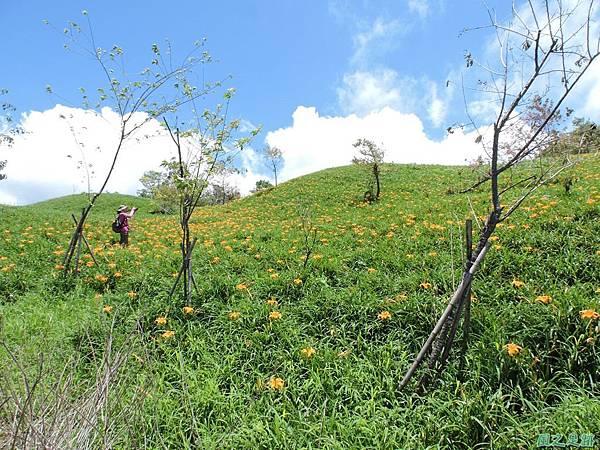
(364, 92)
(315, 142)
(63, 148)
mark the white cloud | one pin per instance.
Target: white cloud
(62, 145)
(420, 7)
(437, 108)
(379, 38)
(251, 164)
(46, 160)
(365, 91)
(7, 199)
(314, 142)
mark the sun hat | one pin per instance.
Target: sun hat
(121, 208)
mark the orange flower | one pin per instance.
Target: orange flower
(101, 278)
(513, 349)
(371, 270)
(118, 275)
(241, 287)
(589, 314)
(425, 285)
(384, 315)
(188, 309)
(168, 334)
(107, 309)
(297, 281)
(518, 283)
(544, 299)
(276, 384)
(160, 320)
(131, 294)
(274, 315)
(272, 301)
(234, 315)
(308, 352)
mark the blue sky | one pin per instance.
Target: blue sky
(313, 73)
(281, 54)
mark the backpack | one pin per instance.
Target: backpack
(116, 225)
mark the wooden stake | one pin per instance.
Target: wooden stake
(466, 299)
(467, 315)
(181, 270)
(78, 253)
(458, 293)
(87, 244)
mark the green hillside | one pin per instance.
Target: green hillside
(272, 354)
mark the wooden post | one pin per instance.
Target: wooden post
(465, 301)
(467, 315)
(75, 242)
(189, 277)
(458, 293)
(78, 252)
(87, 244)
(182, 269)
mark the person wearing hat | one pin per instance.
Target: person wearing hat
(124, 213)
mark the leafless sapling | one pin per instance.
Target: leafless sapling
(544, 50)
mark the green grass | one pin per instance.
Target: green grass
(208, 385)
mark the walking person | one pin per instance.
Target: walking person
(121, 223)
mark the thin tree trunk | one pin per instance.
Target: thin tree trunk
(376, 173)
(88, 208)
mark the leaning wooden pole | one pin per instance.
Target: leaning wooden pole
(443, 344)
(182, 269)
(460, 290)
(85, 241)
(466, 298)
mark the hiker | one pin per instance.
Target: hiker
(121, 223)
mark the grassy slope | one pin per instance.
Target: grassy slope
(210, 380)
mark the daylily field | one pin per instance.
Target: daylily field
(271, 354)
